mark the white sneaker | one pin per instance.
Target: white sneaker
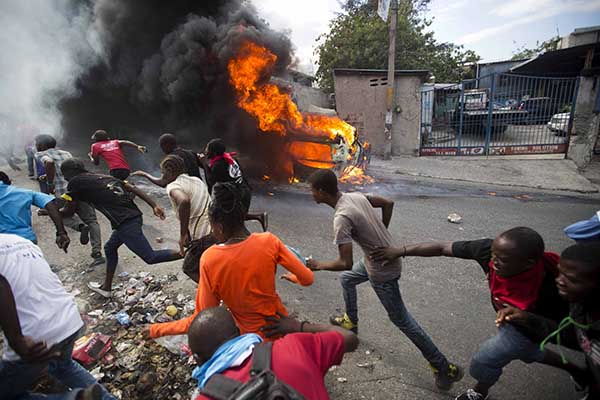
(104, 293)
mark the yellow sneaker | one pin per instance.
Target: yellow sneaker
(344, 322)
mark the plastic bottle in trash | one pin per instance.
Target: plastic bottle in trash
(173, 343)
(123, 318)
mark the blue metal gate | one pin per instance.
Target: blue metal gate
(499, 114)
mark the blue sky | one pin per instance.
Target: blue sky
(493, 28)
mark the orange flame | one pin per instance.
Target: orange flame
(355, 176)
(275, 111)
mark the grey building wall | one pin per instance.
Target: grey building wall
(485, 70)
(586, 122)
(361, 100)
(580, 37)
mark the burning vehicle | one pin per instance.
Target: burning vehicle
(308, 141)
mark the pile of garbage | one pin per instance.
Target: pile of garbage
(114, 348)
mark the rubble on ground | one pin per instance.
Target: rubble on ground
(134, 367)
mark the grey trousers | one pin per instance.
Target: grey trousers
(86, 214)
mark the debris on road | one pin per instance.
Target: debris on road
(454, 218)
(114, 348)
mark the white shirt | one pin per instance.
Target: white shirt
(199, 197)
(46, 311)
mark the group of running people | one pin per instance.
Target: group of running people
(538, 296)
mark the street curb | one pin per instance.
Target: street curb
(540, 187)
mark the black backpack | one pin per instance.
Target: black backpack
(263, 384)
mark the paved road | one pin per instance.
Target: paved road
(448, 297)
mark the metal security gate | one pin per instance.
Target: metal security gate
(499, 114)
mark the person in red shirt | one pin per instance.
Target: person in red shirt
(111, 151)
(299, 359)
(521, 275)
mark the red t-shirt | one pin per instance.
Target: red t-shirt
(111, 151)
(301, 360)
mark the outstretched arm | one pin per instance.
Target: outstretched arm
(127, 143)
(158, 211)
(183, 204)
(298, 272)
(433, 249)
(157, 181)
(386, 205)
(282, 325)
(343, 263)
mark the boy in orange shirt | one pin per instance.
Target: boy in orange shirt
(240, 271)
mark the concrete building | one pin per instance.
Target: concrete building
(360, 96)
(300, 87)
(578, 56)
(580, 36)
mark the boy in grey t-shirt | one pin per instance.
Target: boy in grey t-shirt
(356, 220)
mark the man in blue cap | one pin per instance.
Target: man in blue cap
(585, 231)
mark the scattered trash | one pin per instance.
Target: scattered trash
(171, 311)
(91, 348)
(454, 218)
(159, 240)
(522, 197)
(367, 352)
(271, 194)
(342, 380)
(123, 318)
(175, 344)
(115, 350)
(364, 365)
(96, 373)
(492, 193)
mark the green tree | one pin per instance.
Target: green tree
(358, 38)
(549, 45)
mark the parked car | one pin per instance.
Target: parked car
(476, 115)
(559, 124)
(539, 110)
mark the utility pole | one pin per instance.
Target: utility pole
(387, 133)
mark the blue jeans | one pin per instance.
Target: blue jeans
(130, 233)
(391, 299)
(17, 377)
(507, 345)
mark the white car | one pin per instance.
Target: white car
(559, 124)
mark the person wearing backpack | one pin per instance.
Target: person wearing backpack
(238, 367)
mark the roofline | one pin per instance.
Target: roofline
(504, 61)
(587, 29)
(588, 45)
(376, 72)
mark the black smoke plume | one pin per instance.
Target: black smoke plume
(164, 69)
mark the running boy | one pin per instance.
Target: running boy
(521, 275)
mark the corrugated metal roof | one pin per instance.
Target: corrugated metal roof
(567, 62)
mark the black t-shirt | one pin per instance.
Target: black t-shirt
(549, 303)
(190, 160)
(221, 171)
(107, 194)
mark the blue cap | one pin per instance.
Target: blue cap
(585, 230)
